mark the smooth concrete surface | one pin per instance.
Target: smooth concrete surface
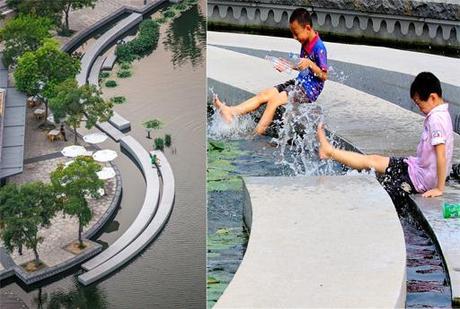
(105, 40)
(149, 207)
(369, 123)
(109, 61)
(119, 122)
(447, 233)
(402, 61)
(93, 78)
(110, 130)
(151, 231)
(308, 251)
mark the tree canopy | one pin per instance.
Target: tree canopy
(39, 72)
(23, 33)
(73, 183)
(74, 103)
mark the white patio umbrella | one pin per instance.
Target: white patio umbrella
(106, 173)
(105, 155)
(73, 151)
(95, 138)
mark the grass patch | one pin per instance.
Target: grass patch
(125, 66)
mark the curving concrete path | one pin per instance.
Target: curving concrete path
(91, 63)
(306, 251)
(151, 231)
(147, 212)
(103, 42)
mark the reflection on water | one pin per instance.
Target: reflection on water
(186, 38)
(73, 297)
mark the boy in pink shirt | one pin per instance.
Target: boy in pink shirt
(426, 172)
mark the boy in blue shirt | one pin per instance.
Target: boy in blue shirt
(312, 67)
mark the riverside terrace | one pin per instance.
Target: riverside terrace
(362, 117)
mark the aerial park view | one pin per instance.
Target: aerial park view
(102, 154)
(332, 172)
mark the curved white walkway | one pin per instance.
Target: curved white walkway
(152, 193)
(407, 62)
(151, 231)
(320, 242)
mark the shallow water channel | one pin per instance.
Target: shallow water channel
(168, 85)
(227, 238)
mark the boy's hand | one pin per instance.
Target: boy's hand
(304, 63)
(432, 193)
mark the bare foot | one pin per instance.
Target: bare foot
(224, 110)
(325, 148)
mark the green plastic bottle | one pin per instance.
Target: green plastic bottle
(451, 210)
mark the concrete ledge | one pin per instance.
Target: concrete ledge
(150, 232)
(93, 78)
(428, 30)
(320, 242)
(109, 61)
(446, 233)
(110, 130)
(104, 41)
(119, 122)
(149, 207)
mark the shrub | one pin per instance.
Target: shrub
(169, 14)
(125, 65)
(118, 100)
(167, 140)
(124, 74)
(104, 75)
(159, 143)
(111, 83)
(144, 44)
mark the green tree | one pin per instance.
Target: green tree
(75, 103)
(66, 5)
(73, 183)
(153, 124)
(39, 72)
(24, 210)
(53, 9)
(45, 8)
(21, 34)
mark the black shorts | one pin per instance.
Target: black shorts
(396, 180)
(289, 86)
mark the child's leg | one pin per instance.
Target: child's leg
(349, 158)
(228, 112)
(267, 117)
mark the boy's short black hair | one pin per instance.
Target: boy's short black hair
(424, 84)
(302, 16)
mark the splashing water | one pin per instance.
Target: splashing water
(338, 76)
(296, 142)
(241, 127)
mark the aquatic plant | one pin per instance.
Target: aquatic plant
(159, 143)
(111, 83)
(124, 73)
(144, 44)
(118, 100)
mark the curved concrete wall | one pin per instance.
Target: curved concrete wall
(148, 209)
(151, 231)
(320, 242)
(344, 22)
